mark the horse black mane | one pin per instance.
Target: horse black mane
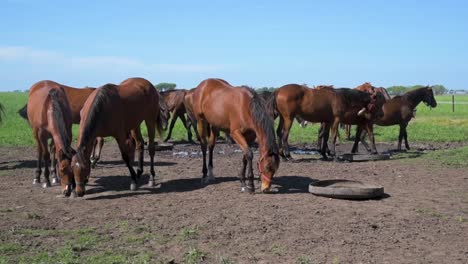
(263, 120)
(96, 113)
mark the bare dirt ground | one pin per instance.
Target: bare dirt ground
(421, 219)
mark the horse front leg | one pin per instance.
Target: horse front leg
(126, 149)
(405, 135)
(187, 127)
(279, 134)
(334, 131)
(97, 148)
(355, 148)
(400, 136)
(171, 126)
(324, 135)
(370, 131)
(285, 137)
(246, 162)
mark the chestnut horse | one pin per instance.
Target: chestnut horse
(117, 110)
(50, 116)
(326, 105)
(174, 100)
(399, 110)
(76, 97)
(240, 111)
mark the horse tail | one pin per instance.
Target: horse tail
(23, 112)
(163, 115)
(190, 114)
(58, 122)
(271, 107)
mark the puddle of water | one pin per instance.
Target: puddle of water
(305, 152)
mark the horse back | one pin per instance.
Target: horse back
(222, 105)
(39, 104)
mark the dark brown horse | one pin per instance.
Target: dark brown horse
(50, 117)
(174, 100)
(240, 111)
(399, 110)
(117, 111)
(366, 87)
(327, 106)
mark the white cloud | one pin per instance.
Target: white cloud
(44, 57)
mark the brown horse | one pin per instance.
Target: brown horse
(76, 97)
(240, 111)
(399, 110)
(327, 106)
(174, 100)
(366, 87)
(117, 110)
(50, 116)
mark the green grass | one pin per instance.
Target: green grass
(430, 125)
(454, 158)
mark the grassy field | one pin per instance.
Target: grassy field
(439, 124)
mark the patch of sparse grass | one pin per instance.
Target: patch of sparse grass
(225, 260)
(455, 158)
(429, 212)
(10, 248)
(461, 219)
(188, 233)
(194, 256)
(277, 250)
(33, 215)
(304, 260)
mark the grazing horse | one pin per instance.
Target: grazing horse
(117, 111)
(76, 97)
(240, 111)
(174, 100)
(399, 110)
(327, 106)
(50, 116)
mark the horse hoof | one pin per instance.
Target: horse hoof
(36, 181)
(55, 181)
(46, 185)
(150, 183)
(139, 173)
(133, 187)
(247, 189)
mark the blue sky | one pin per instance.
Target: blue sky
(258, 43)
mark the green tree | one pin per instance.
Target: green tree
(165, 86)
(439, 89)
(397, 90)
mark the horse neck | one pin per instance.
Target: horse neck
(414, 97)
(86, 146)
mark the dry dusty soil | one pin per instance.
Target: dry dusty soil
(423, 217)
